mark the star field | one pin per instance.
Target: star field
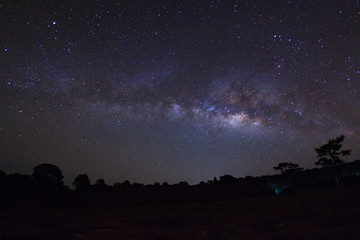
(176, 90)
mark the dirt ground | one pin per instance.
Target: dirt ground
(327, 214)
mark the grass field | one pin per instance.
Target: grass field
(326, 214)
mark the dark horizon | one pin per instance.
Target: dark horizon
(169, 91)
(330, 164)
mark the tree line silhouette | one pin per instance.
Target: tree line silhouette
(328, 155)
(46, 184)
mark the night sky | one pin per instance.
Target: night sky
(154, 91)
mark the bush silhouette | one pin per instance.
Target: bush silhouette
(81, 182)
(48, 174)
(227, 179)
(100, 182)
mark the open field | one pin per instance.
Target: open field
(326, 214)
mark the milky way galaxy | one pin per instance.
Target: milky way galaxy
(176, 90)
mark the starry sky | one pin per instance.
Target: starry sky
(153, 91)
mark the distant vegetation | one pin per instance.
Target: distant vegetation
(288, 167)
(46, 185)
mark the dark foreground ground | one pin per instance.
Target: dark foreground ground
(326, 214)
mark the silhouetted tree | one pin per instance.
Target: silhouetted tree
(202, 184)
(48, 173)
(137, 185)
(126, 183)
(213, 181)
(287, 167)
(100, 182)
(227, 179)
(329, 154)
(81, 182)
(183, 184)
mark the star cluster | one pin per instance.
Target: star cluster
(176, 90)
